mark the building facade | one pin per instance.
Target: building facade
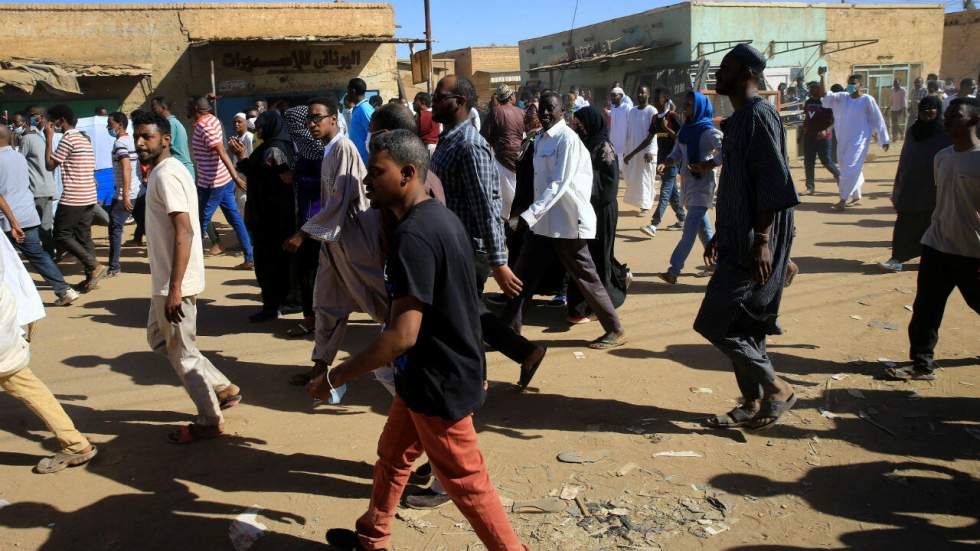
(961, 46)
(883, 41)
(487, 67)
(242, 51)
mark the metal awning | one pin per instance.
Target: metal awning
(602, 58)
(322, 40)
(26, 74)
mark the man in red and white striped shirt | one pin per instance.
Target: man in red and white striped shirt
(76, 209)
(215, 174)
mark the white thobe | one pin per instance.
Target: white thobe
(29, 305)
(854, 122)
(639, 174)
(618, 123)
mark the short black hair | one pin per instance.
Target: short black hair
(424, 98)
(119, 117)
(62, 111)
(394, 116)
(358, 86)
(545, 96)
(136, 113)
(375, 101)
(971, 103)
(836, 88)
(856, 76)
(330, 102)
(405, 148)
(162, 102)
(148, 117)
(464, 87)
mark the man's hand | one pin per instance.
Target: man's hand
(701, 167)
(885, 147)
(49, 129)
(762, 261)
(237, 147)
(292, 244)
(241, 183)
(822, 71)
(711, 251)
(626, 159)
(18, 234)
(173, 310)
(508, 282)
(660, 169)
(319, 387)
(127, 204)
(648, 158)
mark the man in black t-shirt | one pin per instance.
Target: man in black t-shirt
(663, 128)
(818, 131)
(434, 339)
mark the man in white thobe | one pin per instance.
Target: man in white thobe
(856, 117)
(640, 173)
(618, 123)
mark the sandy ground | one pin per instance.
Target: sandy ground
(835, 481)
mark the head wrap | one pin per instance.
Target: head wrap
(748, 57)
(617, 90)
(504, 93)
(923, 130)
(241, 116)
(695, 125)
(274, 134)
(596, 131)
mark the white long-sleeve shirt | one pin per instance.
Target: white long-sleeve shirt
(562, 186)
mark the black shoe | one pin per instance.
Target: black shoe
(344, 539)
(421, 475)
(263, 315)
(426, 499)
(288, 309)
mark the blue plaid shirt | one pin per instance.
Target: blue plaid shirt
(464, 162)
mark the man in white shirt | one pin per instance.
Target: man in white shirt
(176, 256)
(856, 118)
(641, 173)
(576, 100)
(897, 107)
(560, 220)
(247, 139)
(618, 124)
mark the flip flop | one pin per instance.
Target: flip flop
(771, 411)
(62, 460)
(545, 505)
(527, 373)
(734, 418)
(300, 330)
(607, 342)
(193, 433)
(576, 456)
(909, 373)
(230, 401)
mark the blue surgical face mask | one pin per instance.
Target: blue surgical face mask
(35, 123)
(19, 130)
(851, 88)
(114, 133)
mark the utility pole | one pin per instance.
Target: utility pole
(428, 46)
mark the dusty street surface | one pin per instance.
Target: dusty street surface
(860, 463)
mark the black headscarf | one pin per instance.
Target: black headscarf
(275, 133)
(923, 130)
(596, 132)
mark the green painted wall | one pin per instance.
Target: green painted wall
(716, 23)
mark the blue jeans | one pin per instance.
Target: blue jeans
(117, 220)
(209, 199)
(668, 195)
(697, 224)
(40, 260)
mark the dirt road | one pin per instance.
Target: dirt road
(903, 476)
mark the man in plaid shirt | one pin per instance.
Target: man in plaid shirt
(464, 162)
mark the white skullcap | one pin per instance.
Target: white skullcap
(240, 116)
(618, 90)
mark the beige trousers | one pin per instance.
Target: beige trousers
(178, 343)
(26, 387)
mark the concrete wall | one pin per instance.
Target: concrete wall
(907, 33)
(159, 35)
(961, 46)
(661, 25)
(483, 58)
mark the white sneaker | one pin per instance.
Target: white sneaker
(891, 265)
(650, 230)
(69, 297)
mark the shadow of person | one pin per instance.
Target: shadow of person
(173, 520)
(906, 495)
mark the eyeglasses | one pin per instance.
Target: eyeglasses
(315, 119)
(442, 97)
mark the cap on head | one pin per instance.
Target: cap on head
(504, 93)
(749, 57)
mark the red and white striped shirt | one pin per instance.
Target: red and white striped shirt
(77, 160)
(208, 134)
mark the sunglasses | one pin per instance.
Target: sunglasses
(315, 119)
(442, 97)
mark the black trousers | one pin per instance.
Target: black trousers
(73, 233)
(495, 332)
(304, 267)
(939, 273)
(271, 269)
